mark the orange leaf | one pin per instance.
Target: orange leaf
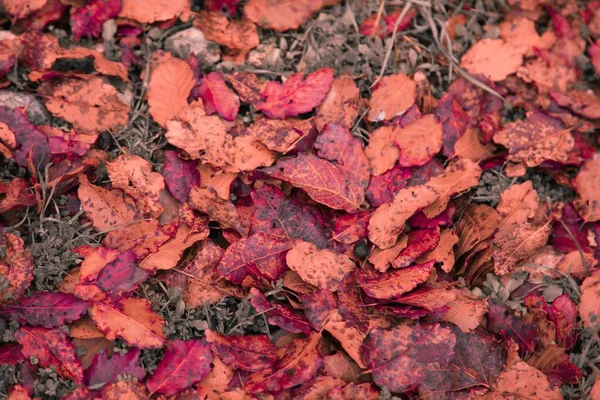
(16, 267)
(478, 223)
(381, 151)
(279, 134)
(381, 259)
(394, 284)
(91, 105)
(347, 334)
(222, 211)
(95, 262)
(104, 208)
(134, 175)
(587, 184)
(466, 311)
(443, 252)
(170, 85)
(130, 319)
(469, 146)
(387, 221)
(523, 381)
(419, 141)
(148, 11)
(217, 179)
(392, 96)
(460, 175)
(125, 390)
(493, 58)
(281, 15)
(341, 104)
(170, 252)
(321, 268)
(141, 237)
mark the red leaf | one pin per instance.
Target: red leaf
(563, 314)
(180, 176)
(351, 306)
(279, 315)
(222, 5)
(386, 28)
(217, 97)
(16, 267)
(87, 20)
(52, 348)
(287, 219)
(48, 309)
(395, 283)
(17, 195)
(250, 353)
(420, 241)
(10, 353)
(260, 252)
(433, 300)
(382, 188)
(104, 370)
(121, 275)
(185, 363)
(323, 181)
(405, 357)
(299, 365)
(31, 142)
(522, 329)
(350, 228)
(454, 122)
(297, 95)
(419, 141)
(318, 306)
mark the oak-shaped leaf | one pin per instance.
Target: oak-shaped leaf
(394, 284)
(297, 95)
(392, 96)
(324, 181)
(217, 97)
(134, 176)
(286, 218)
(249, 353)
(321, 268)
(299, 364)
(130, 319)
(52, 348)
(387, 221)
(30, 141)
(540, 137)
(279, 314)
(47, 309)
(16, 266)
(420, 241)
(520, 328)
(405, 357)
(260, 252)
(185, 363)
(105, 370)
(106, 209)
(91, 105)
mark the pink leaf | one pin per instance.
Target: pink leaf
(217, 97)
(180, 175)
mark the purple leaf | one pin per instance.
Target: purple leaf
(180, 175)
(87, 20)
(121, 275)
(104, 370)
(30, 140)
(49, 310)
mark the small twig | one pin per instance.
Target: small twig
(390, 46)
(378, 18)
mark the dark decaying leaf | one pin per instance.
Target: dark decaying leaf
(105, 370)
(250, 353)
(278, 314)
(521, 329)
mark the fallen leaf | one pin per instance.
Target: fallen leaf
(478, 223)
(350, 228)
(469, 146)
(443, 252)
(322, 180)
(554, 362)
(522, 380)
(185, 363)
(520, 32)
(538, 138)
(47, 309)
(247, 85)
(299, 365)
(420, 241)
(16, 267)
(320, 388)
(495, 59)
(70, 143)
(278, 314)
(249, 353)
(130, 319)
(142, 237)
(433, 300)
(523, 329)
(279, 135)
(384, 26)
(387, 221)
(31, 142)
(217, 179)
(17, 193)
(259, 252)
(466, 311)
(125, 390)
(170, 252)
(584, 103)
(321, 268)
(104, 208)
(381, 259)
(104, 370)
(573, 264)
(394, 284)
(217, 97)
(91, 105)
(588, 302)
(297, 95)
(458, 176)
(419, 141)
(153, 10)
(585, 184)
(170, 84)
(222, 211)
(87, 20)
(281, 16)
(382, 188)
(52, 348)
(341, 105)
(393, 95)
(134, 176)
(381, 151)
(403, 357)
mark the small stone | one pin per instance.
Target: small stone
(192, 40)
(36, 112)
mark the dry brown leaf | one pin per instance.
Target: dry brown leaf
(443, 252)
(392, 96)
(387, 222)
(321, 268)
(141, 237)
(518, 203)
(217, 179)
(458, 176)
(573, 264)
(419, 141)
(341, 104)
(170, 84)
(279, 134)
(207, 200)
(134, 175)
(548, 75)
(469, 146)
(587, 184)
(493, 58)
(149, 11)
(90, 105)
(537, 139)
(381, 151)
(477, 224)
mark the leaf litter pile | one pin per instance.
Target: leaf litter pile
(299, 199)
